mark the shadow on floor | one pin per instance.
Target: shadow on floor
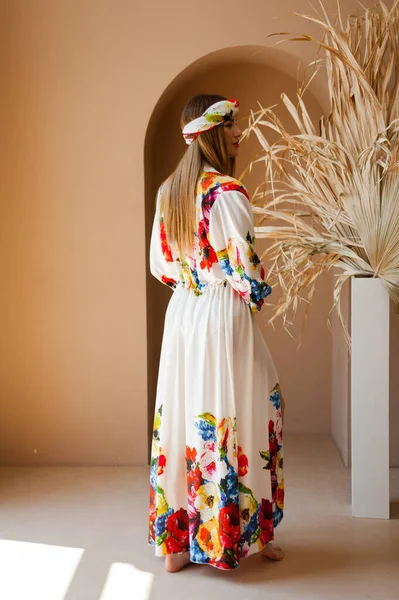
(256, 572)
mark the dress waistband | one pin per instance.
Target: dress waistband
(215, 284)
(201, 286)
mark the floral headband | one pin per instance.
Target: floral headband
(215, 115)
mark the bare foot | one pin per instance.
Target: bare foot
(176, 562)
(273, 552)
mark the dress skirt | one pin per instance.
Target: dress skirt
(216, 483)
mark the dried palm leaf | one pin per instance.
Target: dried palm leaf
(331, 198)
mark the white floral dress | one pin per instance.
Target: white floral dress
(216, 483)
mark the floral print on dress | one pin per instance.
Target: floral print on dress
(252, 290)
(168, 528)
(223, 520)
(166, 249)
(274, 457)
(236, 262)
(210, 187)
(189, 275)
(207, 253)
(169, 281)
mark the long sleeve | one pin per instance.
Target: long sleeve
(231, 232)
(162, 265)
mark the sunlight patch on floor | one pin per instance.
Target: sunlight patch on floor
(41, 571)
(125, 582)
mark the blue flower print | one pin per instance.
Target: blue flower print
(161, 522)
(226, 266)
(154, 473)
(229, 488)
(259, 289)
(275, 399)
(206, 430)
(196, 554)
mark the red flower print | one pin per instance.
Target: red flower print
(223, 432)
(208, 253)
(203, 228)
(166, 251)
(194, 518)
(225, 438)
(177, 540)
(191, 454)
(210, 469)
(161, 463)
(151, 531)
(273, 447)
(207, 180)
(266, 521)
(273, 442)
(229, 525)
(227, 562)
(262, 272)
(168, 281)
(194, 481)
(242, 463)
(205, 537)
(233, 186)
(208, 539)
(153, 515)
(238, 256)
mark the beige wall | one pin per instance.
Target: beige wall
(80, 80)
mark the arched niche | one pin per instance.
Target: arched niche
(248, 73)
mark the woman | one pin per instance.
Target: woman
(217, 486)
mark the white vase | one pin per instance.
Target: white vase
(370, 398)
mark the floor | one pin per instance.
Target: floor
(79, 533)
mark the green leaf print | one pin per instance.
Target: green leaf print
(245, 490)
(161, 538)
(213, 118)
(266, 457)
(255, 536)
(209, 418)
(162, 494)
(240, 271)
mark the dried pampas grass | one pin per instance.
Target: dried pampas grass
(330, 198)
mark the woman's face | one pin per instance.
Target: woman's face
(233, 134)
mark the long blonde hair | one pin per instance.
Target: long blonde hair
(179, 190)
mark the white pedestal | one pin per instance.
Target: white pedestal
(370, 398)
